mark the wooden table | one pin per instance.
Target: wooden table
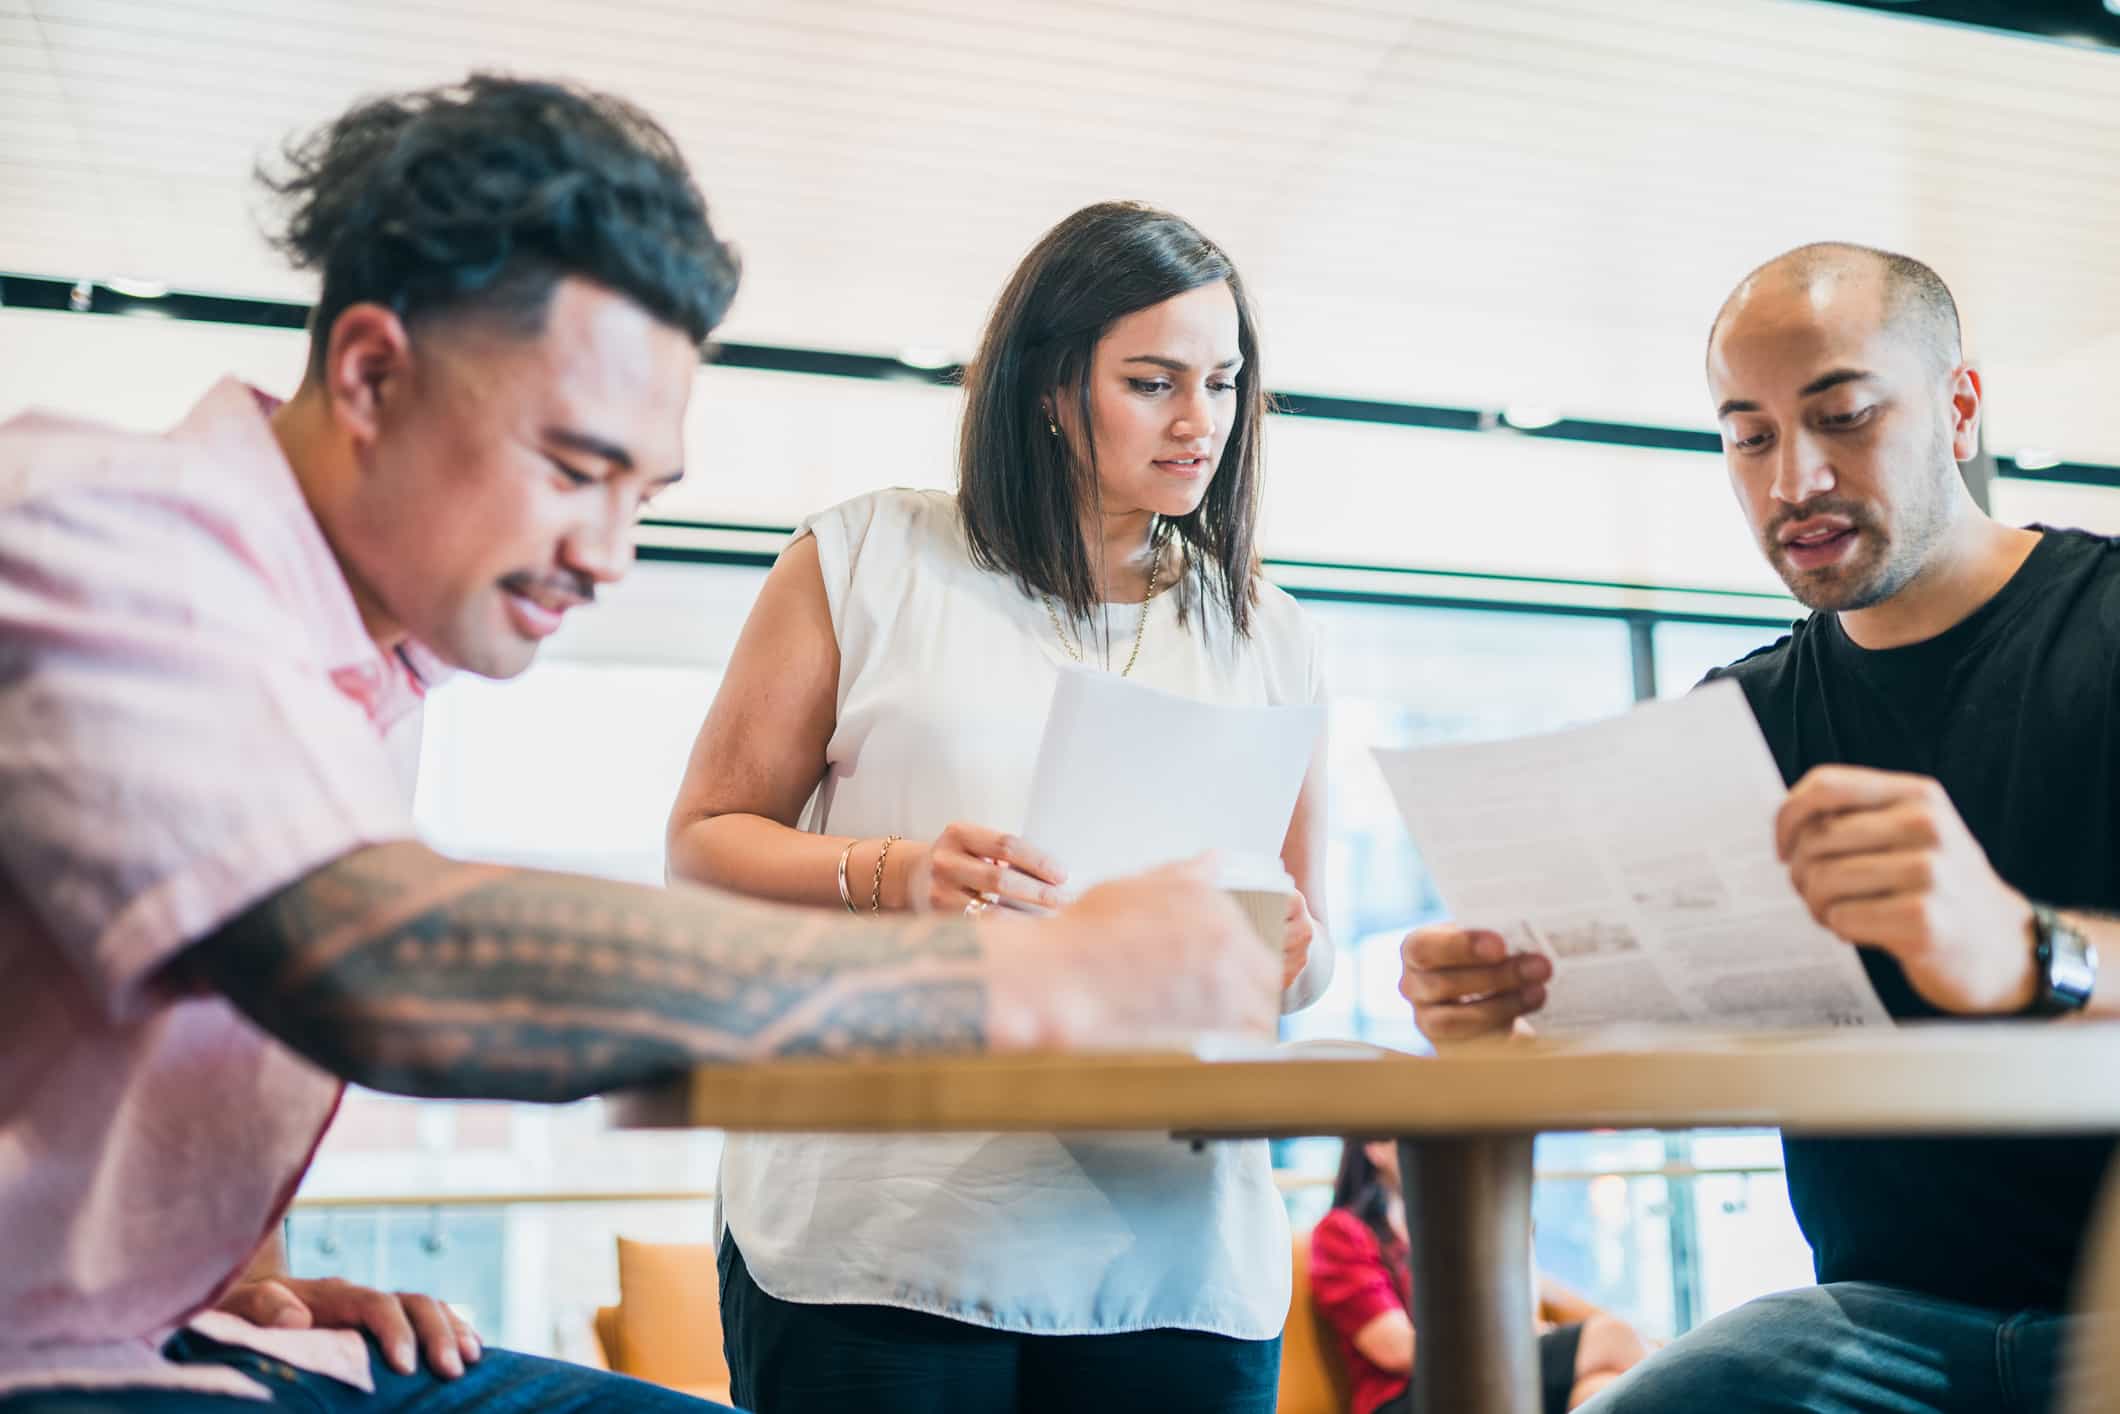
(1465, 1123)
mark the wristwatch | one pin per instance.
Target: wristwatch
(2066, 963)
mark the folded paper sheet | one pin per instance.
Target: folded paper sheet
(1129, 778)
(1638, 855)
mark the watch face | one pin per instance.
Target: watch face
(2071, 963)
(2074, 970)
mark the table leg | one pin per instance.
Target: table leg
(1468, 1213)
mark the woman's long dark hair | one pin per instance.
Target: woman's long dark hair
(1361, 1190)
(1022, 491)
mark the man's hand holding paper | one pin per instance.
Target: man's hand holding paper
(1623, 872)
(1883, 859)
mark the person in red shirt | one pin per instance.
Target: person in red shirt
(1361, 1280)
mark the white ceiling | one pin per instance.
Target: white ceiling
(1452, 201)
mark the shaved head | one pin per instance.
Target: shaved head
(1845, 406)
(1913, 301)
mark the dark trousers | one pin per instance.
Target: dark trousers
(790, 1358)
(1556, 1373)
(502, 1382)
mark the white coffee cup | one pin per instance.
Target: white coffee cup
(1262, 890)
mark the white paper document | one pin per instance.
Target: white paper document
(1129, 778)
(1637, 854)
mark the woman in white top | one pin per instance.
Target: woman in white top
(889, 693)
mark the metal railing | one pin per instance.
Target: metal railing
(1286, 1181)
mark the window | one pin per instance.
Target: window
(1686, 651)
(1405, 676)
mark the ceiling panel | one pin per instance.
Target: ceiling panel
(1442, 201)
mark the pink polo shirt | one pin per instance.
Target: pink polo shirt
(191, 716)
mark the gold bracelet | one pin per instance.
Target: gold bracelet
(876, 885)
(844, 896)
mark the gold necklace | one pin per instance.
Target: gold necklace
(1074, 649)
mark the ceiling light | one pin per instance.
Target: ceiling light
(1530, 417)
(138, 289)
(2036, 458)
(2112, 7)
(928, 356)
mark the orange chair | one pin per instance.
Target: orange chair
(666, 1327)
(1313, 1381)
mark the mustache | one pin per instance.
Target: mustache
(561, 585)
(1854, 512)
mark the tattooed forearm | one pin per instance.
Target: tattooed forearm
(404, 971)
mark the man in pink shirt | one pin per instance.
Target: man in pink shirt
(212, 908)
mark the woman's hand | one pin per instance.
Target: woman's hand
(968, 864)
(1297, 934)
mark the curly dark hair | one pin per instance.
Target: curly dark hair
(481, 197)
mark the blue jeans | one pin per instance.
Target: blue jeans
(1852, 1348)
(502, 1382)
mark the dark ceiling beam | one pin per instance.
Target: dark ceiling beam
(92, 297)
(2092, 23)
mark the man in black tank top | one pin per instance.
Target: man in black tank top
(1948, 721)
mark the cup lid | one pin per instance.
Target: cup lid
(1252, 871)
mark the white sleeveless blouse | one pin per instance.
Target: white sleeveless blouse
(946, 671)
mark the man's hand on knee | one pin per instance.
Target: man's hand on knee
(405, 1325)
